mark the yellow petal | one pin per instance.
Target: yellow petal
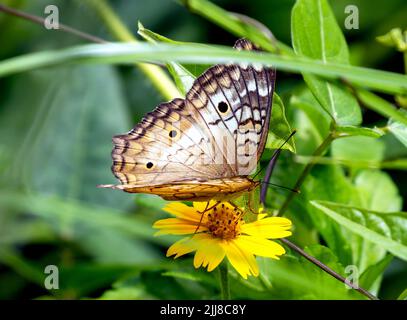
(260, 246)
(188, 245)
(202, 206)
(243, 261)
(181, 247)
(209, 253)
(177, 226)
(182, 211)
(269, 228)
(261, 216)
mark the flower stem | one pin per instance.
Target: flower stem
(224, 281)
(319, 151)
(328, 270)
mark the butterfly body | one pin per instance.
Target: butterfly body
(204, 146)
(197, 190)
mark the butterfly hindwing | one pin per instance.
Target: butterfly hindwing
(161, 148)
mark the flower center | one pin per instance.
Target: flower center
(224, 221)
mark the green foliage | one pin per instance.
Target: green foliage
(57, 124)
(294, 277)
(358, 147)
(316, 34)
(399, 129)
(369, 278)
(279, 127)
(395, 38)
(181, 75)
(385, 230)
(403, 295)
(344, 131)
(115, 53)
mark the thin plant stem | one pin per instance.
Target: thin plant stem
(160, 80)
(318, 152)
(41, 21)
(224, 281)
(328, 270)
(157, 76)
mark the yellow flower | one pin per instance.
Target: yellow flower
(223, 232)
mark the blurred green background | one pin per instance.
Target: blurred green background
(56, 126)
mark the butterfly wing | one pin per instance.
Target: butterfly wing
(218, 131)
(234, 101)
(166, 146)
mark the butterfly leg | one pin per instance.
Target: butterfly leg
(203, 213)
(206, 208)
(249, 203)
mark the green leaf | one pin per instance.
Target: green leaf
(154, 37)
(384, 229)
(397, 164)
(373, 273)
(110, 246)
(402, 100)
(82, 279)
(378, 191)
(124, 293)
(279, 127)
(18, 231)
(242, 28)
(164, 287)
(403, 295)
(345, 131)
(183, 275)
(399, 129)
(370, 189)
(182, 77)
(312, 122)
(56, 210)
(395, 38)
(329, 183)
(381, 106)
(12, 258)
(294, 277)
(326, 256)
(68, 134)
(358, 148)
(121, 53)
(316, 34)
(233, 23)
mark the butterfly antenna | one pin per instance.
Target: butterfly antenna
(276, 153)
(270, 169)
(282, 187)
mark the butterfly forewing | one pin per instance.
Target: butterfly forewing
(235, 103)
(218, 131)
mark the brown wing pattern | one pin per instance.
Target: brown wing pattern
(164, 146)
(218, 131)
(244, 92)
